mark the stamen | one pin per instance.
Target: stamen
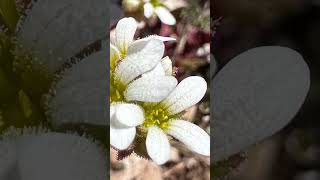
(117, 89)
(157, 115)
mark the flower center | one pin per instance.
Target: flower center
(157, 115)
(117, 89)
(123, 52)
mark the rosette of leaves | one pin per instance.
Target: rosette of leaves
(49, 79)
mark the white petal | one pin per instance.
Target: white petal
(158, 146)
(112, 37)
(112, 111)
(140, 43)
(55, 31)
(121, 137)
(165, 16)
(195, 138)
(140, 62)
(155, 72)
(150, 89)
(148, 10)
(125, 31)
(167, 65)
(129, 115)
(188, 93)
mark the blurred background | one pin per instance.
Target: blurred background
(294, 152)
(190, 54)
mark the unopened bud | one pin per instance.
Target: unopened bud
(131, 5)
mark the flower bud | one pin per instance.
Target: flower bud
(131, 5)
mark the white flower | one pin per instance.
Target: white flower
(126, 83)
(124, 117)
(164, 117)
(155, 7)
(144, 94)
(123, 43)
(189, 92)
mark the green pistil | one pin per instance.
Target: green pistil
(117, 89)
(157, 115)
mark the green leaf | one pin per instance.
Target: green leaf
(56, 30)
(80, 95)
(9, 13)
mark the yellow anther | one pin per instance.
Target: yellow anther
(157, 115)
